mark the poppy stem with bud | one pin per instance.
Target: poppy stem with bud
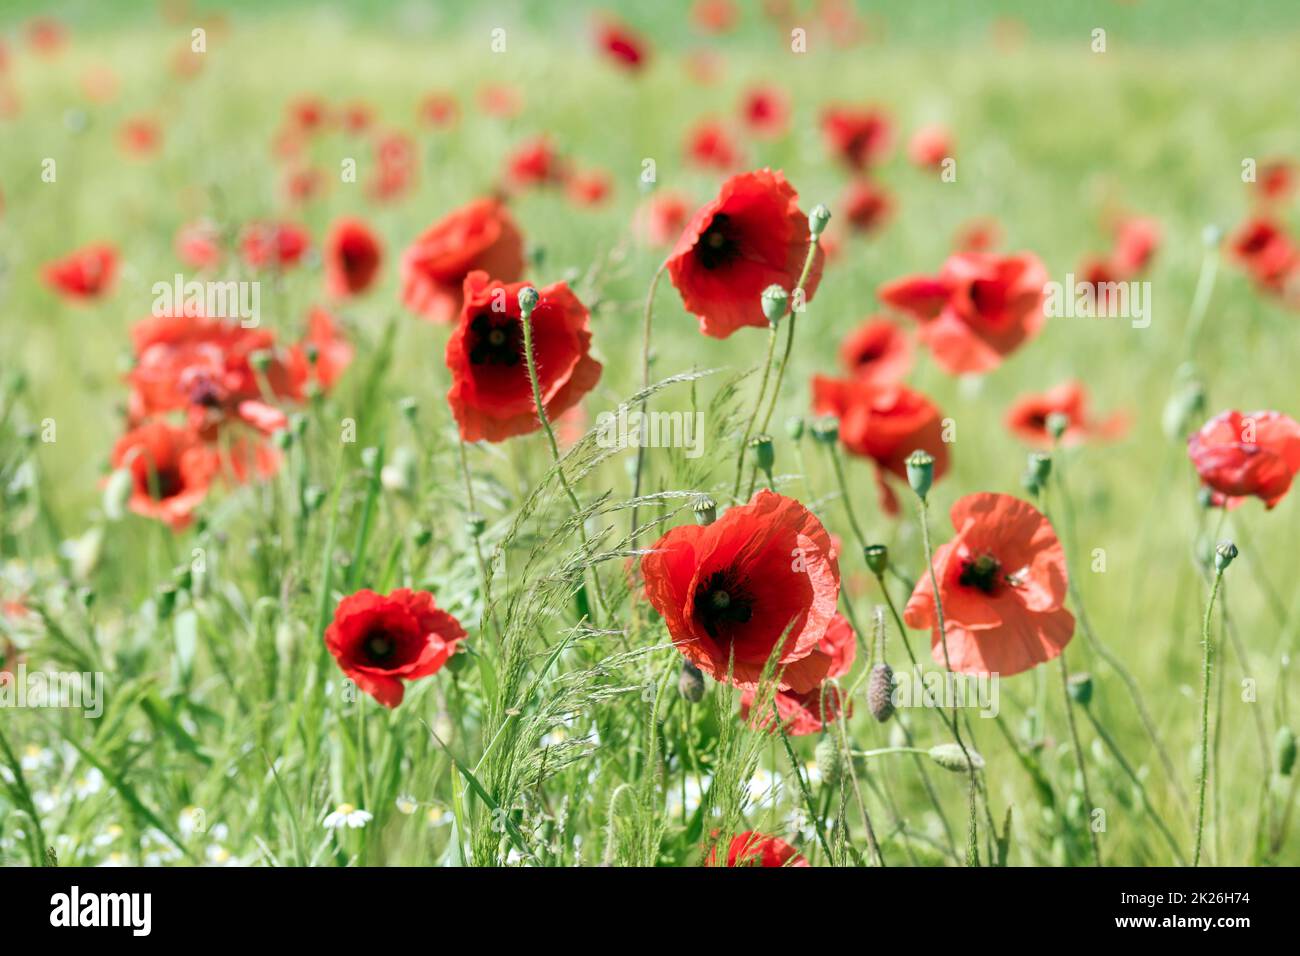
(646, 323)
(1223, 556)
(528, 300)
(775, 301)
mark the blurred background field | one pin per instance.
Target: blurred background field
(1050, 137)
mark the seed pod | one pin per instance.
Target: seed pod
(1080, 689)
(950, 757)
(764, 456)
(706, 510)
(1284, 750)
(830, 761)
(880, 692)
(775, 301)
(877, 558)
(1224, 555)
(818, 219)
(920, 472)
(691, 683)
(794, 427)
(826, 429)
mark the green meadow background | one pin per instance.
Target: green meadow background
(1049, 135)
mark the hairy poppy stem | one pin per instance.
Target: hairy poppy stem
(844, 494)
(646, 322)
(485, 577)
(795, 298)
(1078, 755)
(526, 306)
(749, 426)
(1207, 665)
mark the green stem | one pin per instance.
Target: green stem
(1078, 756)
(646, 322)
(758, 403)
(1207, 659)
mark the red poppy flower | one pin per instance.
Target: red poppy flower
(877, 352)
(885, 423)
(321, 357)
(499, 100)
(309, 114)
(99, 83)
(171, 470)
(1027, 418)
(929, 146)
(397, 162)
(710, 146)
(859, 137)
(202, 366)
(357, 117)
(752, 848)
(491, 396)
(589, 188)
(1255, 453)
(1275, 179)
(714, 16)
(1136, 241)
(46, 35)
(352, 257)
(303, 185)
(866, 205)
(439, 110)
(977, 235)
(621, 45)
(811, 711)
(978, 309)
(762, 574)
(198, 245)
(379, 641)
(1002, 580)
(481, 235)
(663, 217)
(83, 275)
(751, 236)
(765, 111)
(278, 245)
(140, 136)
(1264, 249)
(535, 163)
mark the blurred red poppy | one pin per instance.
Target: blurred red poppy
(663, 217)
(380, 641)
(352, 256)
(1275, 180)
(198, 245)
(620, 44)
(83, 275)
(171, 470)
(751, 236)
(977, 310)
(752, 848)
(589, 187)
(1003, 581)
(1027, 418)
(715, 16)
(140, 136)
(759, 583)
(858, 136)
(1253, 453)
(765, 111)
(930, 146)
(491, 396)
(710, 146)
(535, 163)
(1262, 247)
(273, 245)
(977, 235)
(885, 423)
(877, 352)
(439, 110)
(866, 205)
(480, 235)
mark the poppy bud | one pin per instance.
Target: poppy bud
(1040, 466)
(826, 429)
(818, 219)
(312, 496)
(1183, 408)
(477, 525)
(117, 492)
(950, 757)
(1284, 750)
(420, 535)
(830, 761)
(690, 683)
(283, 439)
(764, 456)
(706, 510)
(794, 427)
(1223, 555)
(408, 407)
(877, 558)
(260, 360)
(1080, 688)
(775, 301)
(1205, 497)
(1057, 423)
(920, 472)
(880, 692)
(528, 299)
(1029, 482)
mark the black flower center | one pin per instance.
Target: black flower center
(166, 483)
(379, 647)
(719, 244)
(495, 340)
(981, 572)
(721, 601)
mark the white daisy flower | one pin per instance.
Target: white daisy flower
(90, 784)
(36, 758)
(407, 804)
(346, 815)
